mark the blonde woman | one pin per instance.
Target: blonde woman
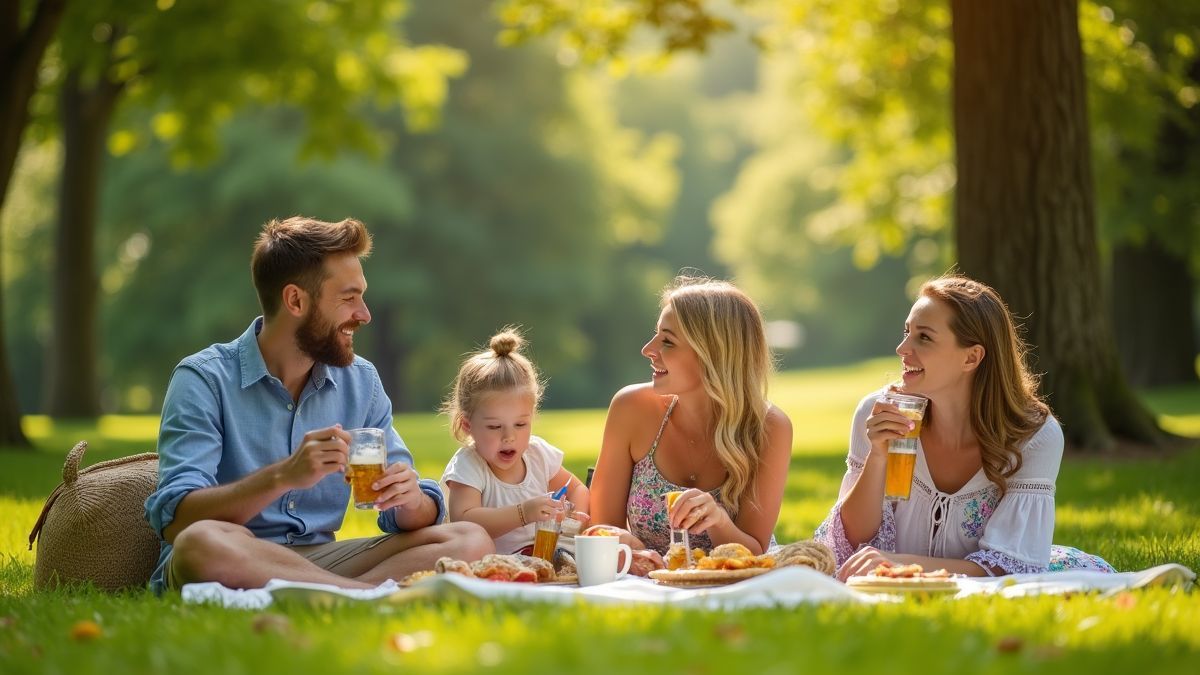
(988, 451)
(702, 426)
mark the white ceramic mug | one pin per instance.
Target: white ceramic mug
(596, 559)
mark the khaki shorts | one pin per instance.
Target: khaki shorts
(339, 557)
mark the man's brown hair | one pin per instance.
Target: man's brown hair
(293, 251)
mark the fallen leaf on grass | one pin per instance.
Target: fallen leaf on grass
(271, 623)
(86, 631)
(1125, 600)
(410, 642)
(1009, 644)
(732, 634)
(6, 621)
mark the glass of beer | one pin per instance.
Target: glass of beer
(545, 539)
(368, 456)
(902, 452)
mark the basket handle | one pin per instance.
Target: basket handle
(70, 474)
(71, 466)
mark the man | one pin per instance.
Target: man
(253, 447)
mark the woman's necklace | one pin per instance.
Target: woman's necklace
(693, 474)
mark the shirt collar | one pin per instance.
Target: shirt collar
(254, 368)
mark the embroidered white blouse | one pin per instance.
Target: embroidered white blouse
(1012, 533)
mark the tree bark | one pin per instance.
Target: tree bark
(388, 355)
(1156, 338)
(86, 110)
(1025, 206)
(21, 51)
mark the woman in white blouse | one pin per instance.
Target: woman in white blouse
(982, 500)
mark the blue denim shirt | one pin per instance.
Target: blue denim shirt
(225, 417)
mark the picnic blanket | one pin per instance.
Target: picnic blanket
(785, 587)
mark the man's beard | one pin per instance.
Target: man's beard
(321, 341)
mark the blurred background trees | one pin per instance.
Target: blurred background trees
(553, 164)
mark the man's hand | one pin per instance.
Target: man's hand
(398, 487)
(322, 452)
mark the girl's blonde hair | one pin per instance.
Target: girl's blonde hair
(725, 329)
(499, 368)
(1005, 407)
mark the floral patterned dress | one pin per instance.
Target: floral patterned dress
(646, 509)
(1012, 533)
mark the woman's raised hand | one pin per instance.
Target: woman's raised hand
(885, 424)
(696, 511)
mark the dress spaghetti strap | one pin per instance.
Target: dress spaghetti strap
(663, 426)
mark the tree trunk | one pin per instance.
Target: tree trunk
(86, 111)
(389, 354)
(1155, 335)
(1025, 208)
(21, 53)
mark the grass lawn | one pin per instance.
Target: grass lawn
(1135, 513)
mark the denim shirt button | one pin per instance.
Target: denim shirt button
(290, 406)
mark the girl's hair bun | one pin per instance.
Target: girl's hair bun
(505, 342)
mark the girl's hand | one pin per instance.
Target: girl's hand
(863, 561)
(696, 511)
(541, 507)
(885, 424)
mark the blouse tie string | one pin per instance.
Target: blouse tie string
(938, 509)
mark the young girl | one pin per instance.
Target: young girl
(503, 477)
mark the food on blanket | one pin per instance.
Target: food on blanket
(698, 577)
(496, 567)
(734, 557)
(889, 577)
(544, 570)
(417, 576)
(445, 564)
(503, 568)
(645, 562)
(812, 554)
(724, 564)
(894, 571)
(677, 556)
(565, 568)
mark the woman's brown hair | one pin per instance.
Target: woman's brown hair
(1006, 409)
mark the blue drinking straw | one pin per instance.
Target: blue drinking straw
(559, 495)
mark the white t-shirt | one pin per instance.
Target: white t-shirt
(542, 462)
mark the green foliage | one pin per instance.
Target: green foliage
(514, 210)
(194, 63)
(596, 30)
(1137, 513)
(1144, 76)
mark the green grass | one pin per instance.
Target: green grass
(1135, 513)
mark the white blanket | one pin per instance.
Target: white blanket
(786, 587)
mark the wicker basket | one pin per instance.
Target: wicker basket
(92, 528)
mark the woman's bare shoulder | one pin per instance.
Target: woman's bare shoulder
(639, 396)
(779, 429)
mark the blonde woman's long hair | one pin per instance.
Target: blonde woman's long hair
(724, 327)
(1005, 407)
